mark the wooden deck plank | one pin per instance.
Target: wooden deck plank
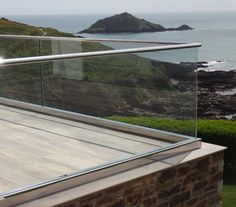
(28, 157)
(83, 134)
(36, 147)
(89, 127)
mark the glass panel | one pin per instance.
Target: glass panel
(16, 48)
(21, 82)
(55, 47)
(150, 89)
(127, 45)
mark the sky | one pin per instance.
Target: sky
(29, 7)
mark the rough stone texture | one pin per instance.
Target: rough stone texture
(197, 183)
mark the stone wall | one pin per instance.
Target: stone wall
(196, 183)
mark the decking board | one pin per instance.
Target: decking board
(36, 147)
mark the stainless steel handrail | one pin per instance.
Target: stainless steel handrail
(47, 58)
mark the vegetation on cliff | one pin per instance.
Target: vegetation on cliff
(15, 28)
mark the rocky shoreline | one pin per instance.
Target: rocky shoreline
(217, 94)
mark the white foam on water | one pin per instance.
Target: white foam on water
(212, 63)
(230, 117)
(207, 70)
(227, 92)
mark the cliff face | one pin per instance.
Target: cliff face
(15, 28)
(126, 22)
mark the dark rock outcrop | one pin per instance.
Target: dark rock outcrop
(181, 28)
(216, 94)
(126, 22)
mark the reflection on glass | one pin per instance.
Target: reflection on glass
(16, 48)
(21, 83)
(153, 89)
(133, 88)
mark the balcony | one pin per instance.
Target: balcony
(71, 110)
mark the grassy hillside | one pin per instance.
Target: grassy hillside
(15, 28)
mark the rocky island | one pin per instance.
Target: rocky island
(126, 22)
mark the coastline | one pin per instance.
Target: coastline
(217, 85)
(211, 30)
(217, 94)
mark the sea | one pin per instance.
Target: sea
(215, 30)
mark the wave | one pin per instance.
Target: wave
(214, 65)
(230, 92)
(215, 70)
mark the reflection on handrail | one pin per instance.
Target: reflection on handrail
(47, 58)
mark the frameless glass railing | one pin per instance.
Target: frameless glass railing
(142, 88)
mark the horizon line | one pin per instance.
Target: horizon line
(68, 14)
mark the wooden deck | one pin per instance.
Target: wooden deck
(37, 147)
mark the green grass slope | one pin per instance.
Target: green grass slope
(229, 196)
(15, 28)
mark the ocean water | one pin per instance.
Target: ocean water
(215, 30)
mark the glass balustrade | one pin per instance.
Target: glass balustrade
(97, 92)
